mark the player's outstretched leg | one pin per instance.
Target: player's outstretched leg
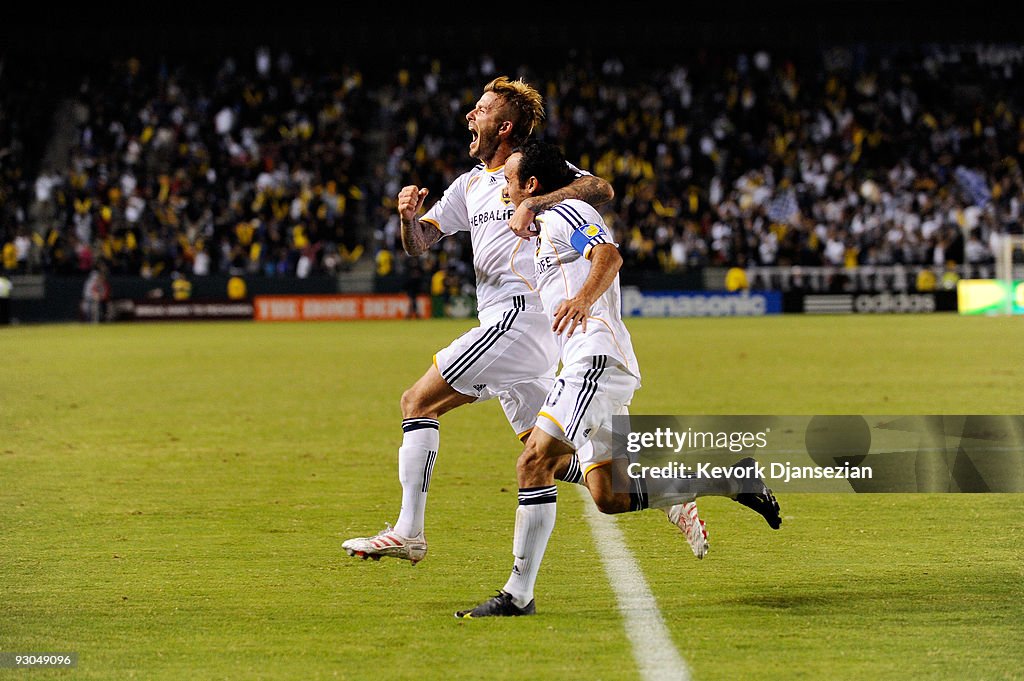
(535, 519)
(387, 544)
(681, 512)
(415, 465)
(422, 405)
(688, 520)
(758, 497)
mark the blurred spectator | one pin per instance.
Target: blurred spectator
(413, 285)
(926, 281)
(5, 300)
(736, 278)
(181, 287)
(96, 295)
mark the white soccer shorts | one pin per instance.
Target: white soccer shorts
(580, 406)
(512, 355)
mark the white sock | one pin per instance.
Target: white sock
(535, 519)
(574, 474)
(415, 465)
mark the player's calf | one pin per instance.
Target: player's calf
(540, 459)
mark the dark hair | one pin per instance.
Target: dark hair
(545, 162)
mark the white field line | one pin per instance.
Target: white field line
(656, 655)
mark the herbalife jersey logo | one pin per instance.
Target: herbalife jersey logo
(501, 215)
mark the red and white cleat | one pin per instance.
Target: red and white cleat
(387, 544)
(686, 518)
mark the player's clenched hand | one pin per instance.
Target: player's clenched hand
(409, 201)
(521, 222)
(568, 315)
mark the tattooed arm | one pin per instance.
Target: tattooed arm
(589, 188)
(417, 236)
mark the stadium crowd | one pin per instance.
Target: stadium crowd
(199, 168)
(276, 163)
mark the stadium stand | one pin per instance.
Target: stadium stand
(285, 162)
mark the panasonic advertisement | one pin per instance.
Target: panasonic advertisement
(637, 303)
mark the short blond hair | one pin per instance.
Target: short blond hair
(522, 103)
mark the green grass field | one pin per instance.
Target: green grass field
(173, 499)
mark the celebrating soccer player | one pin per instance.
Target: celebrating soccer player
(577, 269)
(512, 354)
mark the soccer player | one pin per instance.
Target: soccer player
(512, 354)
(577, 266)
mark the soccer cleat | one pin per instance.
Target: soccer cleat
(761, 499)
(686, 518)
(498, 606)
(387, 544)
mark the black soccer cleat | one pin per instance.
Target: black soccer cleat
(497, 606)
(762, 501)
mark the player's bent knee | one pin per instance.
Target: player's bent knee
(530, 460)
(535, 463)
(411, 404)
(431, 397)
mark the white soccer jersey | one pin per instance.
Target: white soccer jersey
(476, 202)
(568, 232)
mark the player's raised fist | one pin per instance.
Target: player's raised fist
(409, 201)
